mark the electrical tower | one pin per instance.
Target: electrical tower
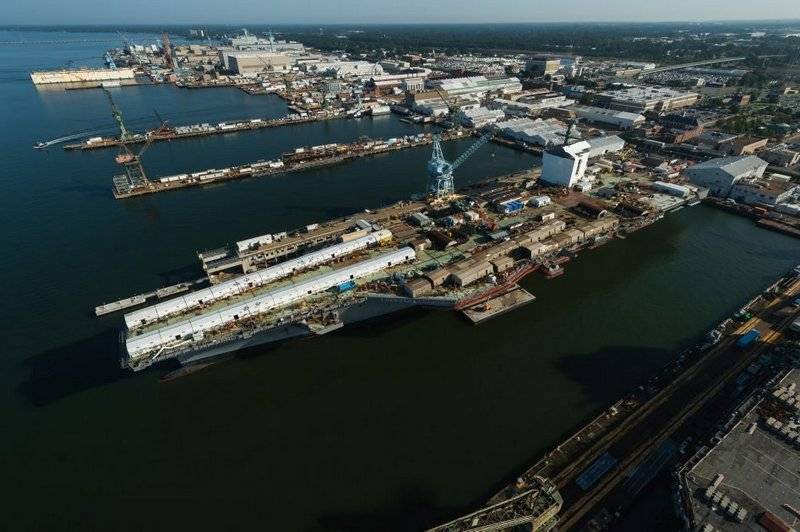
(440, 170)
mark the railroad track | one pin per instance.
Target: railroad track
(602, 445)
(579, 510)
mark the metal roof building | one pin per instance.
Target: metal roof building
(199, 298)
(477, 85)
(192, 328)
(550, 132)
(600, 146)
(612, 117)
(719, 175)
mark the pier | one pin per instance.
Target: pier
(300, 159)
(200, 130)
(141, 299)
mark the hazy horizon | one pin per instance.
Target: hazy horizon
(243, 12)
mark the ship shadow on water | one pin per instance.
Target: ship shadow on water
(605, 376)
(414, 511)
(73, 368)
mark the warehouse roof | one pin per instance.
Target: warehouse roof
(733, 165)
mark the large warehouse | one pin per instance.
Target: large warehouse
(643, 99)
(610, 117)
(477, 85)
(550, 132)
(719, 175)
(252, 62)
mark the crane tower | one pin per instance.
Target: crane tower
(131, 162)
(440, 170)
(168, 61)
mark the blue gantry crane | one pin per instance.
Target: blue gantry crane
(440, 170)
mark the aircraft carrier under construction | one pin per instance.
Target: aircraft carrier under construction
(462, 250)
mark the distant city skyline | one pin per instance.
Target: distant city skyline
(52, 12)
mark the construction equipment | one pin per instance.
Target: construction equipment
(570, 126)
(135, 176)
(440, 170)
(452, 106)
(123, 131)
(164, 128)
(168, 60)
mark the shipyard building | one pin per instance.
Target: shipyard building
(564, 166)
(643, 99)
(250, 62)
(538, 132)
(477, 86)
(719, 175)
(610, 117)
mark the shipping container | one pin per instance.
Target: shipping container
(346, 286)
(748, 339)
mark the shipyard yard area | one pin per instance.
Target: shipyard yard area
(358, 282)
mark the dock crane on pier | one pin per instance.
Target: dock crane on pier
(131, 162)
(440, 170)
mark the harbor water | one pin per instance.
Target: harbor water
(390, 425)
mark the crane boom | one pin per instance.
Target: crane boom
(440, 170)
(472, 149)
(123, 131)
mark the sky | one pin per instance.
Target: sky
(64, 12)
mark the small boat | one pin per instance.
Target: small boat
(40, 145)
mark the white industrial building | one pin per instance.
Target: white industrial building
(416, 84)
(539, 132)
(641, 99)
(477, 85)
(611, 117)
(346, 69)
(600, 146)
(518, 108)
(238, 285)
(252, 62)
(480, 116)
(565, 165)
(719, 175)
(431, 106)
(672, 189)
(193, 328)
(764, 191)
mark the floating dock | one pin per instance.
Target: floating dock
(199, 130)
(83, 75)
(300, 159)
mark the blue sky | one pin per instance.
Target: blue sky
(384, 11)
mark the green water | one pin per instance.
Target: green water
(389, 425)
